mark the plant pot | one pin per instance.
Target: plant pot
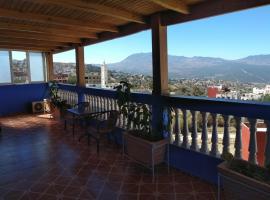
(143, 151)
(240, 187)
(56, 113)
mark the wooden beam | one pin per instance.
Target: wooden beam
(159, 56)
(46, 30)
(76, 24)
(91, 7)
(23, 41)
(176, 5)
(211, 8)
(80, 67)
(29, 45)
(24, 48)
(38, 36)
(49, 66)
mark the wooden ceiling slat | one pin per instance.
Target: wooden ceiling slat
(46, 30)
(30, 45)
(56, 20)
(95, 8)
(22, 41)
(175, 5)
(38, 36)
(24, 48)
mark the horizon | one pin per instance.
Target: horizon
(230, 36)
(197, 56)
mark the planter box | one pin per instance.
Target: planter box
(240, 187)
(145, 152)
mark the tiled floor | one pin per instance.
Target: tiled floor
(40, 160)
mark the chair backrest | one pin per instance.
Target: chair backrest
(81, 105)
(112, 119)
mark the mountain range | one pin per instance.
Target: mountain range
(254, 68)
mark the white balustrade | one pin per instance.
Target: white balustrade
(194, 134)
(204, 147)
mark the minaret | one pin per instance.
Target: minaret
(104, 75)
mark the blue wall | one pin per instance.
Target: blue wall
(19, 98)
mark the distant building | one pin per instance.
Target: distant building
(93, 79)
(267, 89)
(212, 91)
(251, 96)
(104, 75)
(61, 78)
(98, 79)
(256, 90)
(221, 92)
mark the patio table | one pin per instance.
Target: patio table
(82, 113)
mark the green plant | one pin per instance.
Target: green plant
(56, 100)
(248, 169)
(140, 115)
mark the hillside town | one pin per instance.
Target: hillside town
(101, 77)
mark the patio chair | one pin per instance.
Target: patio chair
(69, 118)
(102, 128)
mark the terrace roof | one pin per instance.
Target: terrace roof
(55, 26)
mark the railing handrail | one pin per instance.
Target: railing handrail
(250, 109)
(256, 110)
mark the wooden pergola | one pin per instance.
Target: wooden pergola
(54, 26)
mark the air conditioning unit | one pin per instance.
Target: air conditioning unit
(38, 106)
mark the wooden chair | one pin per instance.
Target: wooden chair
(102, 128)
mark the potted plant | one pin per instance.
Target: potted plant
(141, 143)
(58, 106)
(242, 180)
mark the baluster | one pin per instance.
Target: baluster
(194, 134)
(204, 137)
(238, 138)
(177, 127)
(226, 135)
(185, 142)
(267, 147)
(214, 139)
(96, 103)
(107, 106)
(252, 148)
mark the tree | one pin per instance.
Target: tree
(265, 98)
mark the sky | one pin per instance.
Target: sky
(231, 36)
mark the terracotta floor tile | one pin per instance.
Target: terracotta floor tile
(39, 187)
(72, 191)
(205, 196)
(53, 165)
(165, 188)
(148, 188)
(183, 188)
(147, 197)
(128, 197)
(55, 189)
(184, 196)
(30, 196)
(166, 197)
(130, 188)
(13, 195)
(201, 186)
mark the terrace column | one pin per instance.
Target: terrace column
(49, 64)
(80, 71)
(160, 70)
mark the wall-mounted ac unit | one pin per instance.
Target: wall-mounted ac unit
(38, 106)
